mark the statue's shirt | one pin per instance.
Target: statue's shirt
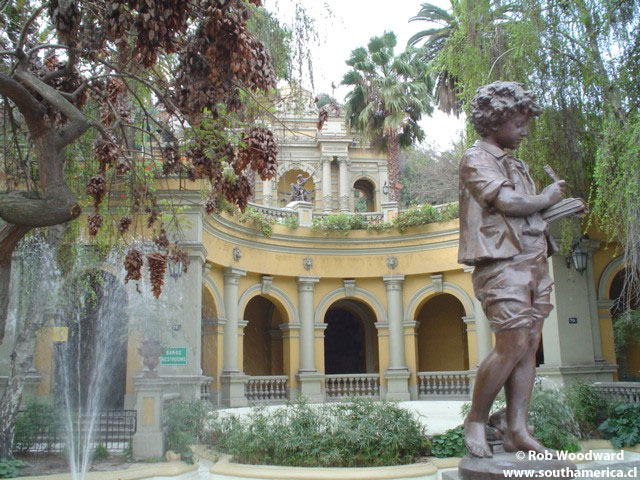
(485, 232)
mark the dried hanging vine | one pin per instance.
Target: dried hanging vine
(133, 73)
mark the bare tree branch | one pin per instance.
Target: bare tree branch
(32, 110)
(27, 24)
(77, 122)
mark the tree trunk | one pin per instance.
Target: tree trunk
(21, 359)
(10, 235)
(393, 163)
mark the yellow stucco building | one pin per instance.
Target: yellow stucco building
(385, 314)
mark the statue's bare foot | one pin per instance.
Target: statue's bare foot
(475, 439)
(521, 440)
(498, 420)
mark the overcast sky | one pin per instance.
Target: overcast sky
(351, 25)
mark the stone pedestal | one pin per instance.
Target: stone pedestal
(311, 386)
(305, 212)
(472, 468)
(232, 385)
(148, 440)
(389, 211)
(397, 385)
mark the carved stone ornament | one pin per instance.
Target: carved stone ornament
(267, 282)
(392, 263)
(436, 279)
(237, 254)
(151, 351)
(349, 287)
(307, 263)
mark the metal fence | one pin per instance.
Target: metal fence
(113, 429)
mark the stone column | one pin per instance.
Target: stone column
(398, 374)
(483, 332)
(343, 162)
(311, 382)
(591, 246)
(231, 379)
(291, 355)
(267, 193)
(242, 324)
(327, 198)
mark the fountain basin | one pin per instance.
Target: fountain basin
(175, 470)
(223, 469)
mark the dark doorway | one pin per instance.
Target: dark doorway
(343, 343)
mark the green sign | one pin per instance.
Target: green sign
(174, 356)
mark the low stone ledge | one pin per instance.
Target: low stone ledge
(151, 470)
(418, 471)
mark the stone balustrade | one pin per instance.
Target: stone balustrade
(205, 390)
(352, 385)
(627, 392)
(268, 388)
(449, 384)
(273, 212)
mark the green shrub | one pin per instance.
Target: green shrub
(339, 222)
(588, 406)
(351, 434)
(291, 222)
(37, 418)
(422, 214)
(449, 444)
(626, 329)
(10, 468)
(184, 422)
(100, 452)
(552, 419)
(623, 426)
(259, 221)
(549, 413)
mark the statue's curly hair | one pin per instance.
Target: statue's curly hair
(495, 103)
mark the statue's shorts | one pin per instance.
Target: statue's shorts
(515, 292)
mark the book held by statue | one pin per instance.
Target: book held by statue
(569, 207)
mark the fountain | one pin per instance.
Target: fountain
(87, 305)
(94, 310)
(92, 315)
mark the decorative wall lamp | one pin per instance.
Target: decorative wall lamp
(385, 188)
(176, 267)
(578, 256)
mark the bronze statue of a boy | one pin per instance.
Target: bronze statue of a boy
(503, 235)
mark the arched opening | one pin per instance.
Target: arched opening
(350, 340)
(208, 358)
(91, 366)
(262, 343)
(627, 352)
(284, 186)
(364, 196)
(442, 335)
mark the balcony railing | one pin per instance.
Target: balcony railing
(627, 392)
(450, 384)
(352, 385)
(205, 390)
(265, 389)
(273, 212)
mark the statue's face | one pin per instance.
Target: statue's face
(512, 132)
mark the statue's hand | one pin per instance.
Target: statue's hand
(555, 192)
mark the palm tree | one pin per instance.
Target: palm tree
(435, 39)
(389, 96)
(446, 22)
(436, 36)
